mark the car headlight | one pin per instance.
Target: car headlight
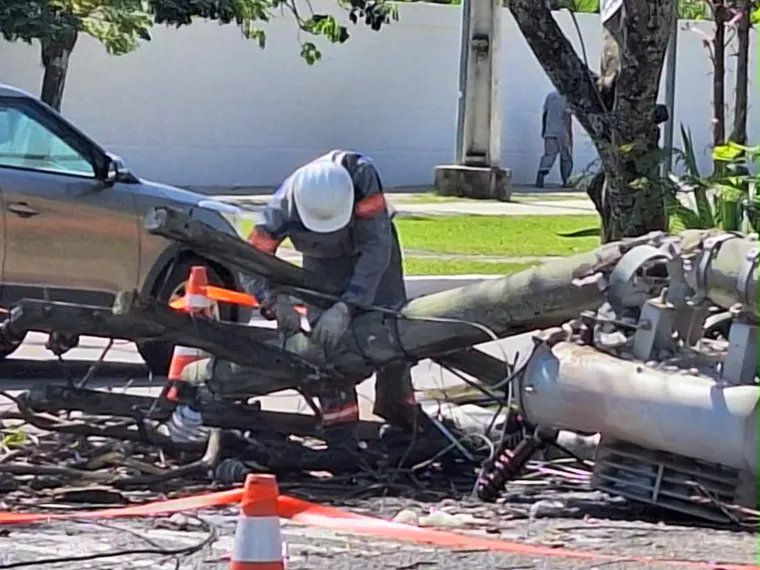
(242, 220)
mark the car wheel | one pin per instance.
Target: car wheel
(157, 356)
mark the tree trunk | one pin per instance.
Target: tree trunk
(617, 109)
(719, 78)
(56, 52)
(739, 130)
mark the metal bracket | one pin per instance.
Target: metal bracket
(740, 362)
(481, 44)
(709, 250)
(619, 288)
(745, 274)
(678, 289)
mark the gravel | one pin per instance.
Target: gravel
(575, 520)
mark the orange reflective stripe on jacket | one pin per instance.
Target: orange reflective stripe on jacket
(370, 206)
(261, 241)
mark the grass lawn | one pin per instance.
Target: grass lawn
(517, 197)
(507, 236)
(548, 197)
(432, 266)
(427, 266)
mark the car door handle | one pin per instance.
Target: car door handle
(22, 209)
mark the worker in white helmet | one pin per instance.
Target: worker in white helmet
(334, 211)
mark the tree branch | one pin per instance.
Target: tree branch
(569, 74)
(647, 31)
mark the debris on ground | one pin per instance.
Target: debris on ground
(642, 385)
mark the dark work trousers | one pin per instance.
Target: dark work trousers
(554, 146)
(394, 394)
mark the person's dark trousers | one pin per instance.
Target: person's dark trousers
(554, 147)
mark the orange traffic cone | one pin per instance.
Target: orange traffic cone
(258, 540)
(197, 303)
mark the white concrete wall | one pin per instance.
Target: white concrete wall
(203, 106)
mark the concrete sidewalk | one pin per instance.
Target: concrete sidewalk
(405, 205)
(413, 190)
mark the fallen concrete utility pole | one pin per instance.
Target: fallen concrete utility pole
(433, 325)
(428, 326)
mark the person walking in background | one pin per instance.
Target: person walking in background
(557, 132)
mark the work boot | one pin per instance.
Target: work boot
(340, 417)
(540, 179)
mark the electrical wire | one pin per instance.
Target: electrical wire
(400, 315)
(8, 396)
(211, 536)
(95, 365)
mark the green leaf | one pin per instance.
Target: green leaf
(584, 6)
(640, 183)
(751, 150)
(625, 148)
(310, 53)
(692, 9)
(13, 438)
(727, 152)
(728, 193)
(688, 156)
(680, 217)
(258, 35)
(755, 17)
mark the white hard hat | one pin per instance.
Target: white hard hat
(323, 192)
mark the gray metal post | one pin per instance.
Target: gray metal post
(476, 172)
(670, 91)
(464, 55)
(482, 132)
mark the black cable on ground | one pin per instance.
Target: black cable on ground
(168, 552)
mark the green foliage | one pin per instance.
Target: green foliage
(117, 24)
(248, 15)
(692, 186)
(582, 6)
(120, 24)
(739, 186)
(694, 10)
(12, 438)
(718, 200)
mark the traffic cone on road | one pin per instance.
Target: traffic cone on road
(197, 303)
(258, 539)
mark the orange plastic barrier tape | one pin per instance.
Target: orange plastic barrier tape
(334, 519)
(222, 295)
(341, 521)
(148, 509)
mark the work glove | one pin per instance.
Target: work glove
(288, 319)
(331, 326)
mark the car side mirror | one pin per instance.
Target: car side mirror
(116, 170)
